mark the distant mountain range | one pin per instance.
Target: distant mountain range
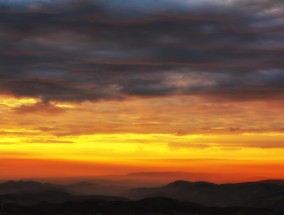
(132, 180)
(268, 193)
(81, 188)
(182, 197)
(31, 192)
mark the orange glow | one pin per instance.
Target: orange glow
(224, 142)
(218, 171)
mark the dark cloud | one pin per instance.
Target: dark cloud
(95, 50)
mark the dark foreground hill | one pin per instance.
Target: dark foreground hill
(150, 206)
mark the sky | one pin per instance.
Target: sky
(95, 87)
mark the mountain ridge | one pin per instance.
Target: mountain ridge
(247, 194)
(268, 193)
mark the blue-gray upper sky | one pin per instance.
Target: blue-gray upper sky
(114, 49)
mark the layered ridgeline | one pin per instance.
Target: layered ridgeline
(181, 197)
(269, 193)
(31, 192)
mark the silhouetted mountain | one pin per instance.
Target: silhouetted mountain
(51, 196)
(30, 198)
(273, 181)
(87, 188)
(81, 188)
(10, 187)
(149, 206)
(239, 199)
(30, 193)
(225, 195)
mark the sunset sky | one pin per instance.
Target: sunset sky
(102, 87)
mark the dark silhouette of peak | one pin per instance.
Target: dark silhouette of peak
(51, 195)
(80, 186)
(83, 183)
(273, 181)
(204, 183)
(180, 184)
(86, 188)
(21, 183)
(21, 186)
(188, 184)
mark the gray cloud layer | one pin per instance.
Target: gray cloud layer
(93, 50)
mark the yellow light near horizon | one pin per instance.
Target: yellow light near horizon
(126, 152)
(140, 146)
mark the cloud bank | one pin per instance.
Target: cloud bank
(99, 50)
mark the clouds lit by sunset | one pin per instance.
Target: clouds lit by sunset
(116, 86)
